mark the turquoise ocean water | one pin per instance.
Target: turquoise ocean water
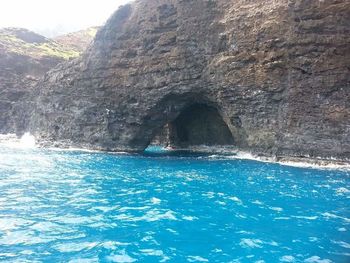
(71, 206)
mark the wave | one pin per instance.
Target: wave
(28, 141)
(231, 152)
(11, 140)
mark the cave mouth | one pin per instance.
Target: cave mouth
(198, 124)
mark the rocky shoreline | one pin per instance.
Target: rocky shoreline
(267, 77)
(226, 152)
(298, 161)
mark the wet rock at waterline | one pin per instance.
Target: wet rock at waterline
(275, 72)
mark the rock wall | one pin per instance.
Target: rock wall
(277, 72)
(24, 58)
(77, 41)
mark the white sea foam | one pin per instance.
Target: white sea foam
(250, 243)
(233, 153)
(11, 140)
(306, 217)
(342, 190)
(236, 199)
(7, 224)
(316, 259)
(152, 252)
(85, 150)
(27, 252)
(155, 201)
(282, 218)
(155, 215)
(74, 247)
(328, 165)
(112, 245)
(27, 140)
(84, 260)
(226, 152)
(189, 218)
(256, 243)
(10, 255)
(313, 239)
(155, 252)
(121, 258)
(197, 259)
(277, 209)
(220, 202)
(245, 232)
(330, 215)
(287, 259)
(341, 243)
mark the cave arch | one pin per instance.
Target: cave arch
(197, 124)
(200, 124)
(166, 113)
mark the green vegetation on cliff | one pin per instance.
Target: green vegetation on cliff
(77, 41)
(24, 58)
(24, 42)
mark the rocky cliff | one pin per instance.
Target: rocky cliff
(24, 58)
(276, 74)
(78, 41)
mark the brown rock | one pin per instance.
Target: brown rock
(24, 58)
(277, 72)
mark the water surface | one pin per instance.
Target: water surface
(61, 206)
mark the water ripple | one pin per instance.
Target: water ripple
(59, 206)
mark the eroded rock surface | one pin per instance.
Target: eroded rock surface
(24, 58)
(277, 72)
(78, 41)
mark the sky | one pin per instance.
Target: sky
(55, 17)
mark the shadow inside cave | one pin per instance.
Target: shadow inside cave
(197, 125)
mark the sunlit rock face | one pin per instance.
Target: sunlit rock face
(24, 58)
(276, 72)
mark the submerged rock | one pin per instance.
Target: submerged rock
(276, 72)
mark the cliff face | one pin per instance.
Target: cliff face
(276, 72)
(24, 58)
(78, 41)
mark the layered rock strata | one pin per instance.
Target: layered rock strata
(277, 72)
(24, 58)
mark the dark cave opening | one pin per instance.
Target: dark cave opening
(197, 124)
